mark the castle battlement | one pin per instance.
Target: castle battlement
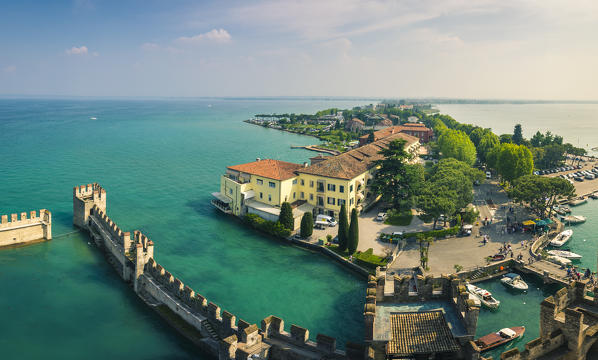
(89, 190)
(29, 227)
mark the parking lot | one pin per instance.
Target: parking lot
(582, 185)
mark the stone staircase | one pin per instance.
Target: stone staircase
(210, 329)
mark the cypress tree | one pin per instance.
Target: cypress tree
(286, 216)
(353, 240)
(343, 228)
(307, 225)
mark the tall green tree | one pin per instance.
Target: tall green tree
(506, 138)
(514, 161)
(541, 193)
(307, 225)
(476, 135)
(394, 180)
(456, 144)
(488, 141)
(353, 232)
(517, 135)
(343, 229)
(286, 216)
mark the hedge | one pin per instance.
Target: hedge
(437, 234)
(269, 227)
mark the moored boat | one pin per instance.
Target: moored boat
(559, 260)
(484, 296)
(562, 238)
(565, 254)
(577, 202)
(594, 196)
(574, 219)
(501, 337)
(514, 281)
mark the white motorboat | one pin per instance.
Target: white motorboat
(561, 238)
(565, 254)
(484, 296)
(559, 260)
(574, 219)
(514, 281)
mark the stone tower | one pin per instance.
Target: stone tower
(84, 198)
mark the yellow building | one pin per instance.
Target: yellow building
(260, 187)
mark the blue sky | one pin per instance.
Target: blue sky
(529, 49)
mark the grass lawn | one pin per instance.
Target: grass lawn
(399, 218)
(365, 259)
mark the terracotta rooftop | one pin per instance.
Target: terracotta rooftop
(420, 333)
(269, 168)
(356, 120)
(354, 162)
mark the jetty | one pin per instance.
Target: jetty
(316, 148)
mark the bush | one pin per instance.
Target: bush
(399, 218)
(269, 227)
(437, 234)
(307, 225)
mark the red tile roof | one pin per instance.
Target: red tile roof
(269, 168)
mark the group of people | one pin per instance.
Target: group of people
(573, 274)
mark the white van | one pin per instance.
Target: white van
(325, 220)
(488, 175)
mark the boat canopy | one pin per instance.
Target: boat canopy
(512, 275)
(507, 332)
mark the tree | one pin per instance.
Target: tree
(456, 144)
(343, 229)
(476, 135)
(393, 180)
(371, 138)
(512, 161)
(424, 249)
(286, 216)
(353, 232)
(434, 201)
(517, 135)
(487, 143)
(541, 193)
(307, 225)
(506, 138)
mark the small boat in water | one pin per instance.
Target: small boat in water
(594, 196)
(501, 337)
(561, 238)
(514, 281)
(558, 260)
(577, 202)
(93, 118)
(566, 209)
(484, 296)
(574, 219)
(565, 254)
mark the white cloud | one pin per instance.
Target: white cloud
(150, 46)
(9, 69)
(214, 35)
(82, 50)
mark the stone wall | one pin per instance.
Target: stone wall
(223, 335)
(30, 227)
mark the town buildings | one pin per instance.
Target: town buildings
(418, 130)
(260, 187)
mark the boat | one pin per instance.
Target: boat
(574, 219)
(93, 118)
(514, 281)
(484, 296)
(577, 202)
(501, 337)
(565, 254)
(558, 260)
(594, 196)
(561, 238)
(566, 209)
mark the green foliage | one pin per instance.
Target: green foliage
(399, 217)
(511, 161)
(269, 227)
(541, 193)
(286, 216)
(506, 138)
(470, 215)
(517, 135)
(456, 144)
(307, 225)
(487, 143)
(343, 228)
(353, 240)
(458, 267)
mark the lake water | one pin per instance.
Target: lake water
(159, 162)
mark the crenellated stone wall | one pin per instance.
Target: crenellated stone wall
(29, 227)
(221, 333)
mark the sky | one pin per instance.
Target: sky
(483, 49)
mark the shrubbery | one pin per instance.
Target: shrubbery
(269, 227)
(393, 239)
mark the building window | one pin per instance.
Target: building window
(331, 201)
(302, 182)
(350, 201)
(331, 187)
(272, 184)
(261, 195)
(351, 188)
(341, 188)
(341, 202)
(302, 195)
(294, 181)
(294, 195)
(230, 191)
(320, 201)
(311, 183)
(269, 197)
(260, 182)
(320, 187)
(311, 196)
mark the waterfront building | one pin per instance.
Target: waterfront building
(260, 187)
(355, 125)
(418, 130)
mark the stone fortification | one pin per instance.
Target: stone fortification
(216, 331)
(26, 229)
(568, 327)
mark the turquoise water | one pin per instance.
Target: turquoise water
(584, 240)
(159, 161)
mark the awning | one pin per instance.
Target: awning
(541, 223)
(222, 197)
(248, 194)
(548, 221)
(529, 223)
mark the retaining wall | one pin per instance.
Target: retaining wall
(30, 227)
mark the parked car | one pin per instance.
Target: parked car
(381, 216)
